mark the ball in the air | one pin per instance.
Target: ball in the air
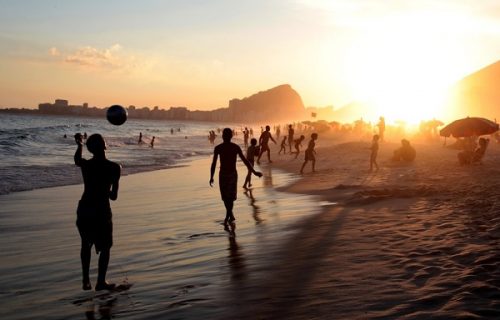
(116, 115)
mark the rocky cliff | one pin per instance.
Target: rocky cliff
(274, 105)
(478, 94)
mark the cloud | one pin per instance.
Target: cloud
(54, 52)
(112, 58)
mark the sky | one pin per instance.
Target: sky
(200, 54)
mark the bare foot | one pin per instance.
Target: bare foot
(104, 286)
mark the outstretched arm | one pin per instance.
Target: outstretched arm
(212, 168)
(78, 154)
(271, 137)
(248, 164)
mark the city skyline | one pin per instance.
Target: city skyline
(200, 55)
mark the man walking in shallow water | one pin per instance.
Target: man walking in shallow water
(100, 179)
(228, 176)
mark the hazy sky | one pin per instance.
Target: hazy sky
(202, 53)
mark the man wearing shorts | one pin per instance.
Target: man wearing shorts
(264, 144)
(100, 178)
(228, 176)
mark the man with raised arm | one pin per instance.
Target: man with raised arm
(100, 179)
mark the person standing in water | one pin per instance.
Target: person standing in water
(100, 179)
(310, 153)
(264, 144)
(140, 138)
(373, 154)
(152, 143)
(228, 176)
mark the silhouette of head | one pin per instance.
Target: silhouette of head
(302, 137)
(268, 128)
(227, 134)
(253, 142)
(405, 142)
(290, 126)
(96, 144)
(376, 137)
(314, 136)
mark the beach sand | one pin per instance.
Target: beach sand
(411, 241)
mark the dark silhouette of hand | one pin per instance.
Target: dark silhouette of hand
(79, 139)
(211, 182)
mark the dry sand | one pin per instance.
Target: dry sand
(411, 241)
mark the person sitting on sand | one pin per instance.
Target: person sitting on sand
(405, 153)
(373, 154)
(100, 179)
(228, 176)
(467, 157)
(297, 144)
(264, 144)
(252, 151)
(310, 153)
(283, 145)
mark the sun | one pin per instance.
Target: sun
(404, 73)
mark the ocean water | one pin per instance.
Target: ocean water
(34, 153)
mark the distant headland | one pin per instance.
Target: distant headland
(277, 104)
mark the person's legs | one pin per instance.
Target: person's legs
(85, 253)
(247, 179)
(229, 211)
(103, 269)
(269, 155)
(302, 168)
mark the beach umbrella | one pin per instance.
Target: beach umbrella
(468, 127)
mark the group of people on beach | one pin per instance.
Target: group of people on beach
(101, 183)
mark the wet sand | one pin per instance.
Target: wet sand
(411, 241)
(169, 246)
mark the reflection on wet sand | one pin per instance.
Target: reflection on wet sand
(268, 176)
(255, 208)
(235, 258)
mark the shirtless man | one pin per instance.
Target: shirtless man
(100, 178)
(264, 144)
(228, 176)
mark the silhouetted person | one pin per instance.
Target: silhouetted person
(100, 178)
(140, 138)
(152, 142)
(228, 176)
(283, 145)
(310, 153)
(246, 134)
(374, 152)
(290, 136)
(405, 153)
(297, 144)
(264, 144)
(252, 152)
